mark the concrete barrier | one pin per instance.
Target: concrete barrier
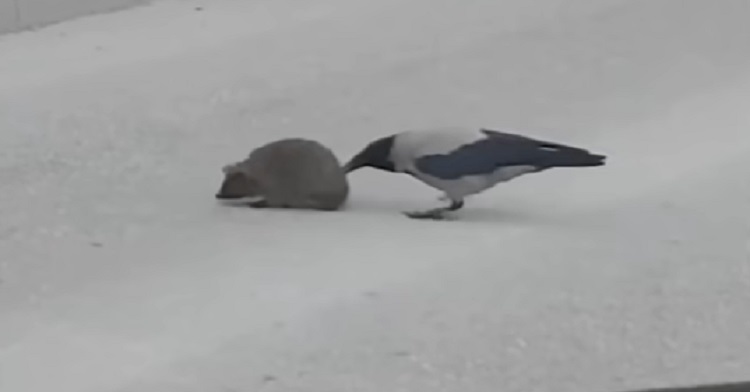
(16, 15)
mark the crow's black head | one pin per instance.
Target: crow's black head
(377, 155)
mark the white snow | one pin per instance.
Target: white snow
(119, 272)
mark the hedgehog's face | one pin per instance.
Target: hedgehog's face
(237, 185)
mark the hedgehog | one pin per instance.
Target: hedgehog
(292, 173)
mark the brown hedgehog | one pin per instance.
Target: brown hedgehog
(288, 173)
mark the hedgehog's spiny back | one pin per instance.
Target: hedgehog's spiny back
(300, 172)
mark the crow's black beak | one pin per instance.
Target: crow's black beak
(352, 165)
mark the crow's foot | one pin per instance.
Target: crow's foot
(434, 214)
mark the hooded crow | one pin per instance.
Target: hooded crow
(465, 161)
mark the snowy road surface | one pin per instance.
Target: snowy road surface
(119, 273)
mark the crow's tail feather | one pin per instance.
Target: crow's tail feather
(564, 156)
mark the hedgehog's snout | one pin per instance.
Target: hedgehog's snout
(236, 186)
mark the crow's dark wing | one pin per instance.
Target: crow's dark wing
(499, 150)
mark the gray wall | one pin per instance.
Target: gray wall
(18, 15)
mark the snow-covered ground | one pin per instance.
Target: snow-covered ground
(119, 272)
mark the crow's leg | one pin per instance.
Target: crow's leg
(436, 213)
